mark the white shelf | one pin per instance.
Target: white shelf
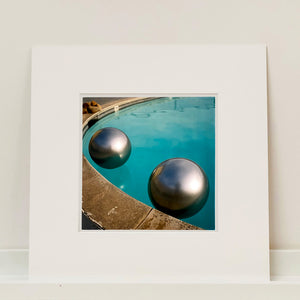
(284, 284)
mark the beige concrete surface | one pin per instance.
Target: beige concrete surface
(111, 208)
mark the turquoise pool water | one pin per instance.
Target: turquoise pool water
(158, 130)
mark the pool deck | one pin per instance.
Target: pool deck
(111, 208)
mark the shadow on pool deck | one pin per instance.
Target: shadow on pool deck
(107, 207)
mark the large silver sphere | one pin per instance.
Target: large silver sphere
(110, 147)
(178, 187)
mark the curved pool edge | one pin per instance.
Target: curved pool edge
(106, 205)
(111, 108)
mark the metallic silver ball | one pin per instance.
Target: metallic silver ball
(110, 147)
(178, 187)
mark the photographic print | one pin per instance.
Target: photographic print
(148, 163)
(137, 161)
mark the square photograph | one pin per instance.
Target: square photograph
(148, 163)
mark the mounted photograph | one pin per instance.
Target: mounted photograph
(156, 157)
(148, 163)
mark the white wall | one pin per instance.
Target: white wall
(27, 23)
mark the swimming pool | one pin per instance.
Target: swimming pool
(158, 130)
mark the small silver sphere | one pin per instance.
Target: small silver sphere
(110, 147)
(178, 187)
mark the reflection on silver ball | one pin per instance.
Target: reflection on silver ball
(178, 187)
(110, 147)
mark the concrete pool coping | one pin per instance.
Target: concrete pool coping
(108, 206)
